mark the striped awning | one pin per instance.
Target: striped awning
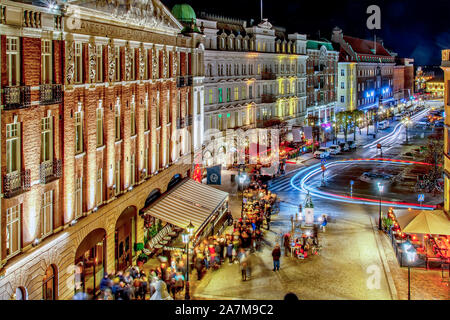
(190, 201)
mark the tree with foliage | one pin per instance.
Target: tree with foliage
(355, 115)
(342, 120)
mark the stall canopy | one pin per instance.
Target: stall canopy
(190, 201)
(423, 221)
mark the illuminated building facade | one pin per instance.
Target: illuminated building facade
(434, 87)
(347, 87)
(403, 79)
(254, 74)
(101, 105)
(445, 66)
(321, 70)
(374, 71)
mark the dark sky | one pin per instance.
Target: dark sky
(413, 28)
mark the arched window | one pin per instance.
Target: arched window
(20, 294)
(49, 284)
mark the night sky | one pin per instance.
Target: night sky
(412, 28)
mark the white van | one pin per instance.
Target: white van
(383, 125)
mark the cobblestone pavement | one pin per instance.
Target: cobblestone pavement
(339, 272)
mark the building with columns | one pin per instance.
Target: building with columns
(102, 106)
(253, 74)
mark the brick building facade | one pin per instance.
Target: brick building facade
(97, 113)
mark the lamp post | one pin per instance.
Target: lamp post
(186, 236)
(380, 190)
(406, 121)
(411, 254)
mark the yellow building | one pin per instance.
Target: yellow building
(435, 87)
(446, 67)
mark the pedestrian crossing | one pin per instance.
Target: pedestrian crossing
(281, 184)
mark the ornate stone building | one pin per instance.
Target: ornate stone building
(102, 103)
(253, 74)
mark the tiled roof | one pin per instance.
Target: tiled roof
(365, 47)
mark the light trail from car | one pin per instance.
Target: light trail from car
(305, 174)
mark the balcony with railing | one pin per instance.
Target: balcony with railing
(50, 94)
(184, 81)
(15, 183)
(50, 171)
(16, 97)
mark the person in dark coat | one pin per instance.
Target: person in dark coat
(286, 242)
(268, 221)
(276, 254)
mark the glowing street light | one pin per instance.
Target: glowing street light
(186, 237)
(407, 121)
(411, 255)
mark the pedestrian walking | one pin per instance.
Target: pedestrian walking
(243, 264)
(324, 222)
(268, 221)
(276, 254)
(286, 242)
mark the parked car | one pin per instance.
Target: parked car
(371, 177)
(397, 117)
(383, 125)
(344, 146)
(351, 145)
(335, 149)
(322, 153)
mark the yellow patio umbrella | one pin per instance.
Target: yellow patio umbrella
(425, 222)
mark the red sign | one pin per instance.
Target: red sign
(379, 146)
(323, 168)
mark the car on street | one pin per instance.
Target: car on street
(344, 146)
(383, 125)
(371, 177)
(351, 145)
(397, 117)
(335, 149)
(322, 153)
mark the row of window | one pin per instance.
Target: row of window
(248, 69)
(245, 44)
(13, 62)
(14, 223)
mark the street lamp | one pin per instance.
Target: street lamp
(411, 255)
(186, 236)
(380, 190)
(406, 121)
